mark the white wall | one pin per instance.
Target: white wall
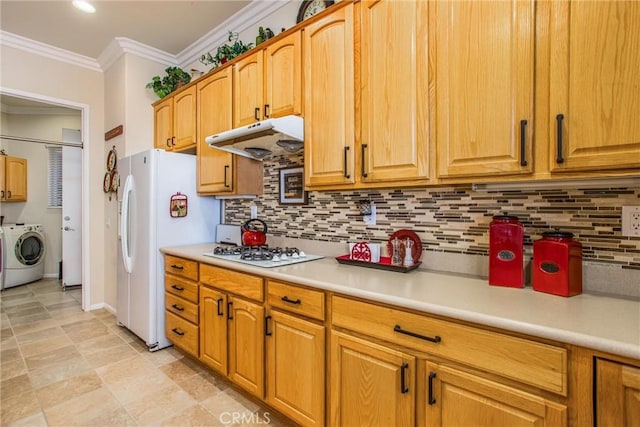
(35, 209)
(25, 72)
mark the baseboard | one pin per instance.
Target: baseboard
(50, 276)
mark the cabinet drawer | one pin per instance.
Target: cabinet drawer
(181, 287)
(181, 267)
(295, 299)
(232, 281)
(181, 333)
(181, 307)
(530, 362)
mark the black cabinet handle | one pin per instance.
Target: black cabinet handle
(346, 172)
(290, 301)
(173, 141)
(432, 400)
(177, 267)
(523, 142)
(219, 302)
(559, 119)
(256, 114)
(403, 384)
(364, 166)
(2, 194)
(266, 111)
(399, 330)
(226, 168)
(178, 288)
(177, 331)
(8, 194)
(266, 326)
(178, 307)
(230, 310)
(168, 142)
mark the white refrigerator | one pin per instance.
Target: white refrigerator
(148, 220)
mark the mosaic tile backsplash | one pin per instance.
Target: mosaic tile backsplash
(449, 219)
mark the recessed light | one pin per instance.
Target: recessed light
(84, 6)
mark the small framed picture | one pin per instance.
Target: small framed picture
(292, 186)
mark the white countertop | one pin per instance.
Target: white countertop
(598, 322)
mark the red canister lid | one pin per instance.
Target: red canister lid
(557, 234)
(505, 218)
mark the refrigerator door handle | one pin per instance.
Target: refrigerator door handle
(125, 224)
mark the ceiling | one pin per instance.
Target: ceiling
(170, 26)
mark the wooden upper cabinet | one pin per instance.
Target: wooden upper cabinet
(394, 91)
(329, 133)
(483, 53)
(175, 121)
(13, 179)
(594, 75)
(163, 123)
(214, 116)
(268, 83)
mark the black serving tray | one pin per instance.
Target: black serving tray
(384, 264)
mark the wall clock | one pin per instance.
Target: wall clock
(308, 8)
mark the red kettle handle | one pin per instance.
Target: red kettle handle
(249, 225)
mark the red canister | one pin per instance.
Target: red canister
(506, 238)
(557, 264)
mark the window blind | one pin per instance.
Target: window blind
(54, 155)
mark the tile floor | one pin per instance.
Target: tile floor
(61, 366)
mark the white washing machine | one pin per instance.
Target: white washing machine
(1, 258)
(23, 254)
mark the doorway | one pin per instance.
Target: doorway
(40, 103)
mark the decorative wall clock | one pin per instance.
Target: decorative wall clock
(308, 8)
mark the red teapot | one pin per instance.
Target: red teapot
(254, 232)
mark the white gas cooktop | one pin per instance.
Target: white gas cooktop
(265, 263)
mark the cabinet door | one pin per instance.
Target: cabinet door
(595, 70)
(163, 119)
(371, 385)
(329, 99)
(246, 345)
(215, 167)
(3, 191)
(248, 99)
(448, 390)
(15, 185)
(394, 91)
(213, 329)
(184, 119)
(283, 77)
(617, 394)
(483, 53)
(295, 368)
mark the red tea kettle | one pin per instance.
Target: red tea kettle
(254, 232)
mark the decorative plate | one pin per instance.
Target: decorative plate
(114, 182)
(106, 182)
(112, 159)
(416, 249)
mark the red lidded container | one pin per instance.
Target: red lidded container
(506, 239)
(557, 264)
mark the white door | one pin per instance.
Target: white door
(71, 210)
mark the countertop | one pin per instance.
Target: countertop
(598, 322)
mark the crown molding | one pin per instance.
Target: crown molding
(48, 51)
(122, 45)
(246, 17)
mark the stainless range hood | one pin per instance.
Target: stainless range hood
(260, 139)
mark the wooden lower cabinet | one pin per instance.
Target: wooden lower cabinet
(246, 344)
(370, 384)
(295, 367)
(617, 391)
(457, 398)
(213, 329)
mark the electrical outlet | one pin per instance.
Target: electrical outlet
(371, 218)
(254, 212)
(631, 221)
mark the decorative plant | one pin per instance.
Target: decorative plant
(226, 52)
(174, 78)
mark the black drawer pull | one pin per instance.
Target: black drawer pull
(559, 158)
(177, 267)
(219, 302)
(266, 326)
(177, 332)
(432, 400)
(178, 307)
(266, 111)
(346, 172)
(364, 166)
(178, 288)
(399, 330)
(230, 310)
(290, 301)
(403, 372)
(523, 143)
(226, 168)
(256, 114)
